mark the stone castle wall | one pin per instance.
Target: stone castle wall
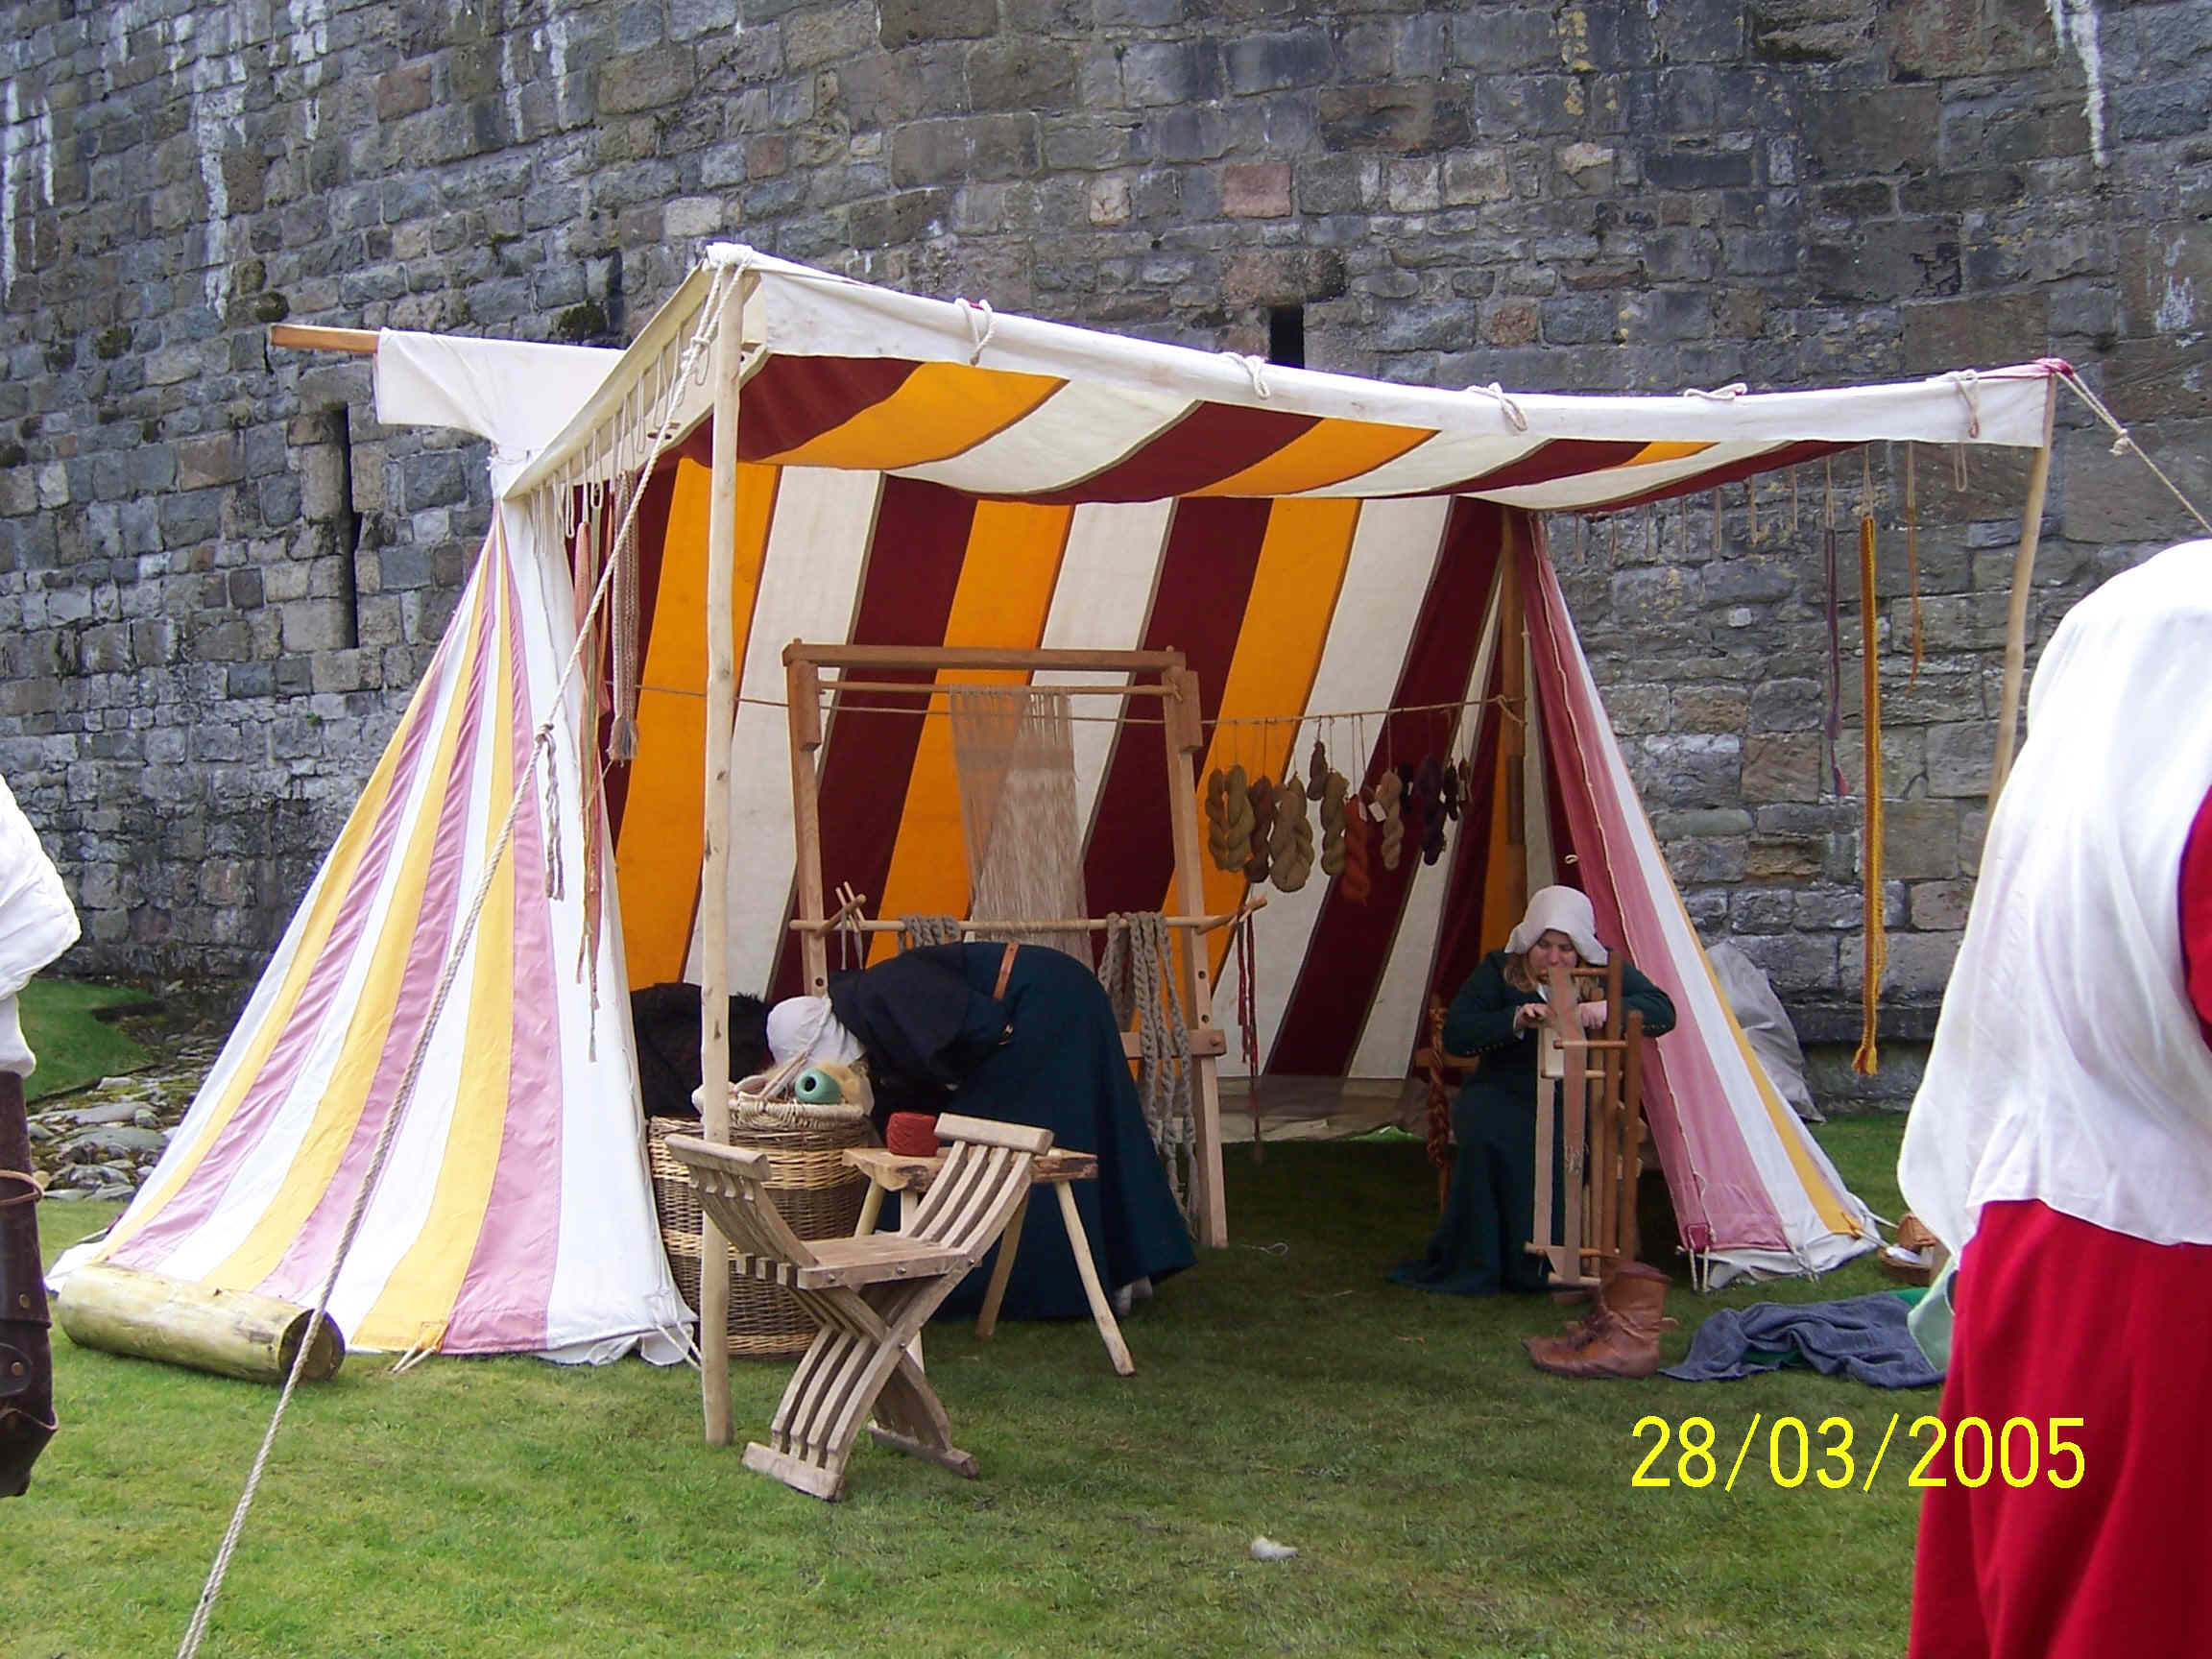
(219, 577)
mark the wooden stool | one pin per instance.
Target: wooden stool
(893, 1172)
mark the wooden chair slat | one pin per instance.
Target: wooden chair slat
(985, 1132)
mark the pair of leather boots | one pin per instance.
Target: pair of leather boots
(1620, 1337)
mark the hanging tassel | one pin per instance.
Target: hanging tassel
(1248, 1025)
(1868, 1059)
(1751, 508)
(1913, 562)
(624, 626)
(1718, 547)
(556, 880)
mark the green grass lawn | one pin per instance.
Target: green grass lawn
(74, 1046)
(1445, 1498)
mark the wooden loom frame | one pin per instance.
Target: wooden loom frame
(1176, 688)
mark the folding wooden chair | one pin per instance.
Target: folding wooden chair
(869, 1295)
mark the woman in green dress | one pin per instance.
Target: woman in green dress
(1490, 1213)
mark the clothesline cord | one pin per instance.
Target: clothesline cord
(1456, 705)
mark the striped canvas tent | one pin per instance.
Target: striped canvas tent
(915, 473)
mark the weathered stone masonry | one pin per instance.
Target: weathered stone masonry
(219, 577)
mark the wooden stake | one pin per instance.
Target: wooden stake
(2016, 618)
(714, 866)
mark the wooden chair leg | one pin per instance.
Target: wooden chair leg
(857, 1366)
(1002, 1269)
(910, 1418)
(1101, 1310)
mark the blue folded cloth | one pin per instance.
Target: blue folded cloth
(1864, 1336)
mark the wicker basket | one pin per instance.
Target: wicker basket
(817, 1192)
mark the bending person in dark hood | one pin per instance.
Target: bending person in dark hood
(1042, 1048)
(664, 1025)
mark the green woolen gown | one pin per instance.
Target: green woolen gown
(1490, 1212)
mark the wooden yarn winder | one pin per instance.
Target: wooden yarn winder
(1597, 1102)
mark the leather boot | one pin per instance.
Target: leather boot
(1546, 1351)
(1631, 1307)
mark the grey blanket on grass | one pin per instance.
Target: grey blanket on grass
(1864, 1336)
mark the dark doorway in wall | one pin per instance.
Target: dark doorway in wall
(1287, 335)
(343, 523)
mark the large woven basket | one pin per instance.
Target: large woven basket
(817, 1193)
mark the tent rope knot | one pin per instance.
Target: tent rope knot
(980, 336)
(1727, 393)
(1967, 381)
(1515, 415)
(1252, 366)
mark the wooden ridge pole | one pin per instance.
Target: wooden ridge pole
(714, 870)
(308, 337)
(2016, 618)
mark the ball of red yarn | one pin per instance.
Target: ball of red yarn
(911, 1133)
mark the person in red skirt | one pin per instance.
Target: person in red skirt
(2061, 1146)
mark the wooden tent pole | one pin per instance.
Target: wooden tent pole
(714, 866)
(2016, 618)
(802, 695)
(1513, 733)
(1186, 740)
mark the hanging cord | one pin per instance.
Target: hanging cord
(1136, 976)
(541, 747)
(1832, 727)
(1248, 1026)
(1868, 1059)
(1912, 561)
(625, 625)
(2124, 442)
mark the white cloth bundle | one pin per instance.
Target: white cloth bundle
(38, 922)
